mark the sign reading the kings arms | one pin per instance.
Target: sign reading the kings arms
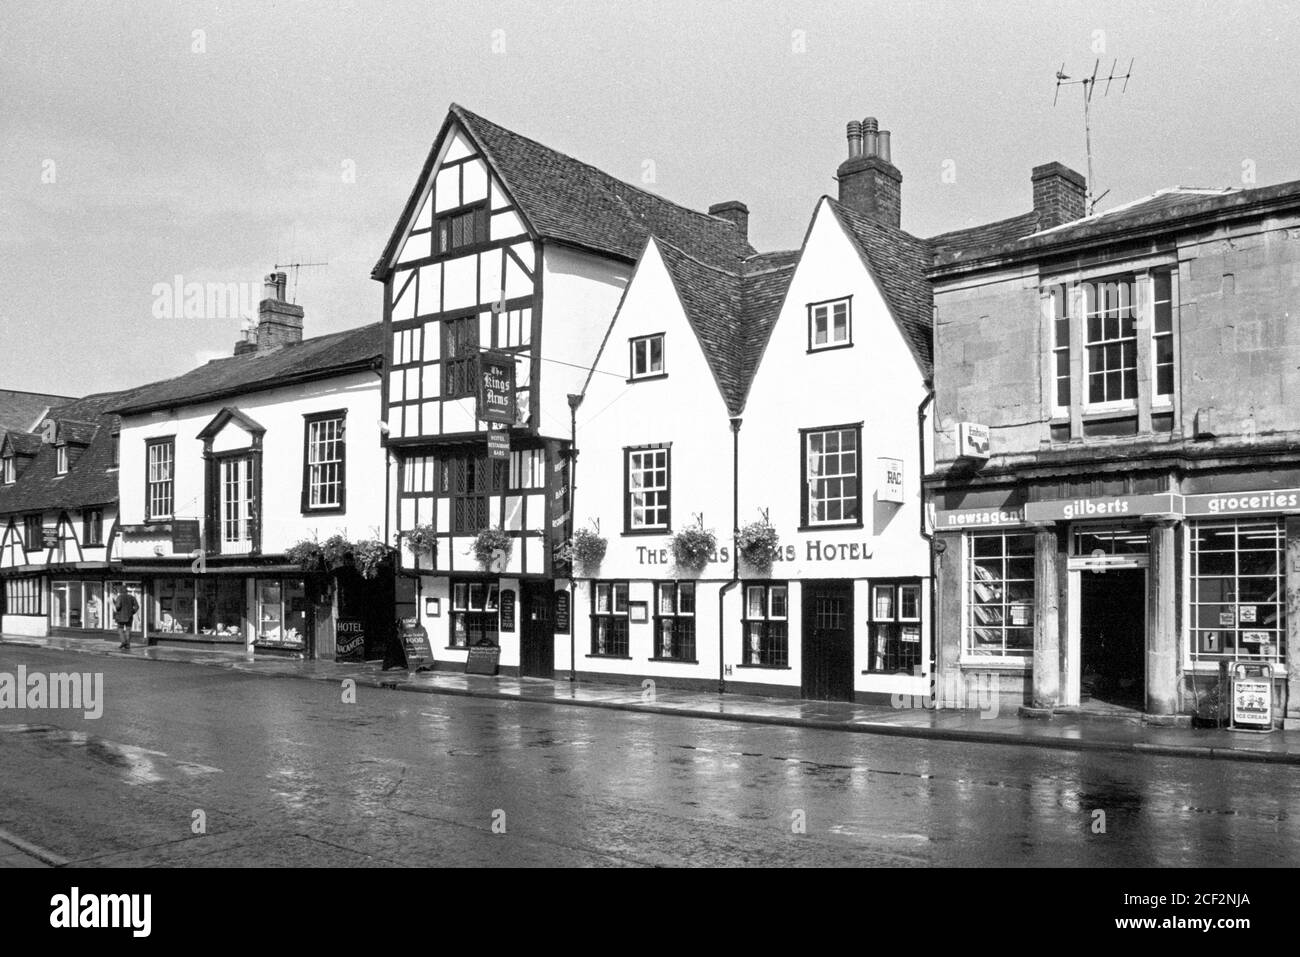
(496, 387)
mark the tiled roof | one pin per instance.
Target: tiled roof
(952, 244)
(732, 312)
(20, 410)
(899, 262)
(573, 202)
(1160, 212)
(316, 358)
(88, 481)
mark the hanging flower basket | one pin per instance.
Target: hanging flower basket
(757, 543)
(586, 549)
(493, 545)
(369, 555)
(307, 555)
(692, 547)
(420, 539)
(336, 552)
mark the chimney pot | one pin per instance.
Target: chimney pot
(279, 322)
(882, 145)
(855, 139)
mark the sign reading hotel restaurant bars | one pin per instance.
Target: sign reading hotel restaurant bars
(496, 387)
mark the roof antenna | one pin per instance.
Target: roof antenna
(295, 267)
(1089, 83)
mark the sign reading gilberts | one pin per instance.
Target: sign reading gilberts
(496, 387)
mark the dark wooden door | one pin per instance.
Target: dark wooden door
(828, 640)
(537, 630)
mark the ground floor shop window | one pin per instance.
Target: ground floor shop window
(78, 604)
(474, 614)
(173, 601)
(675, 621)
(220, 607)
(281, 611)
(895, 629)
(23, 597)
(1000, 594)
(766, 626)
(133, 589)
(609, 628)
(1238, 594)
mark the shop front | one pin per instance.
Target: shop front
(1115, 602)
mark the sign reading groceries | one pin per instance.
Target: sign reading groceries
(1237, 503)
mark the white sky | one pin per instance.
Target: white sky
(214, 165)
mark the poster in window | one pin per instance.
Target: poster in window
(1019, 614)
(1254, 637)
(638, 611)
(1227, 619)
(1210, 643)
(911, 634)
(1246, 614)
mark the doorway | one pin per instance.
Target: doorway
(828, 641)
(537, 630)
(1112, 638)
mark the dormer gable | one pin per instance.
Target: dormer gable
(231, 429)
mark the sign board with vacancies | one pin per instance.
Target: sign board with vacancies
(496, 387)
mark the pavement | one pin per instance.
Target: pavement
(1061, 732)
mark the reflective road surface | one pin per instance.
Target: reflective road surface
(193, 765)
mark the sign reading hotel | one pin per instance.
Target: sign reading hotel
(812, 549)
(496, 387)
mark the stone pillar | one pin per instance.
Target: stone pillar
(948, 617)
(1162, 631)
(1291, 693)
(1047, 620)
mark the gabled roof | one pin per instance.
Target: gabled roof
(228, 414)
(78, 433)
(21, 443)
(732, 311)
(321, 357)
(572, 202)
(20, 411)
(88, 481)
(898, 261)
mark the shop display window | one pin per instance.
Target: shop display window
(1238, 590)
(1000, 594)
(474, 614)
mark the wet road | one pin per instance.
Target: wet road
(284, 772)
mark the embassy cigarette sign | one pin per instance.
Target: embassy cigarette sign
(496, 387)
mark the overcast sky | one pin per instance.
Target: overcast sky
(136, 149)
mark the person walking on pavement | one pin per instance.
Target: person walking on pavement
(124, 609)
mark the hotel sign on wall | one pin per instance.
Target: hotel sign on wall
(496, 387)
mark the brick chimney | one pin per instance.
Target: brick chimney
(279, 323)
(737, 212)
(869, 181)
(1060, 195)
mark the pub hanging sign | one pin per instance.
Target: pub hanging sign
(496, 387)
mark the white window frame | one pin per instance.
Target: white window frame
(319, 477)
(968, 655)
(7, 470)
(154, 483)
(1133, 279)
(641, 357)
(1166, 400)
(812, 478)
(1202, 661)
(825, 313)
(642, 462)
(61, 460)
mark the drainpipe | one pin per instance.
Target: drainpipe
(574, 402)
(929, 539)
(735, 553)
